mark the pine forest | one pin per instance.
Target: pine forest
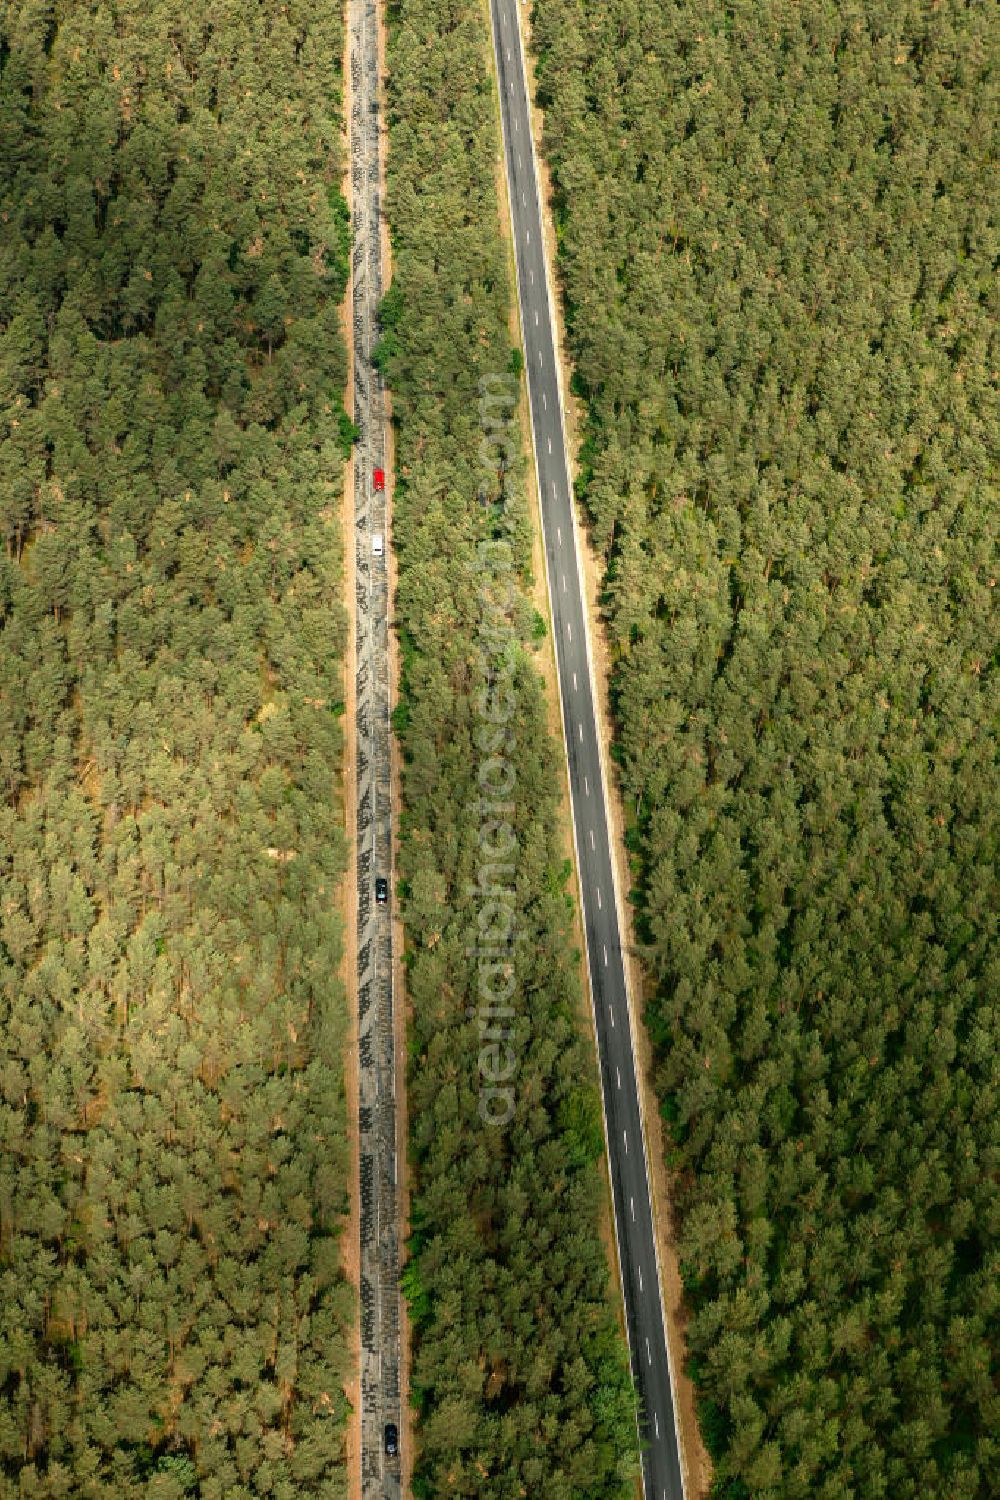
(173, 1163)
(778, 256)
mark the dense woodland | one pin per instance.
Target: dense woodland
(173, 1166)
(778, 249)
(520, 1375)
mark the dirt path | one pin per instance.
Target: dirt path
(695, 1459)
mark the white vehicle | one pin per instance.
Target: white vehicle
(378, 546)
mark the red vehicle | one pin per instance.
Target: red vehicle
(379, 477)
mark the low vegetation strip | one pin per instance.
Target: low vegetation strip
(173, 1161)
(519, 1375)
(777, 238)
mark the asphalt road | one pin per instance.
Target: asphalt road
(378, 1230)
(623, 1121)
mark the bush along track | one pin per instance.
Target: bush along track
(777, 247)
(519, 1374)
(173, 1160)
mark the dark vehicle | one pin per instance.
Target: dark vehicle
(379, 477)
(391, 1440)
(381, 890)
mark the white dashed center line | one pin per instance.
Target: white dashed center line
(639, 1269)
(569, 632)
(649, 1357)
(545, 401)
(656, 1423)
(631, 1204)
(611, 1013)
(550, 444)
(600, 903)
(625, 1139)
(618, 1076)
(605, 955)
(591, 831)
(586, 787)
(580, 728)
